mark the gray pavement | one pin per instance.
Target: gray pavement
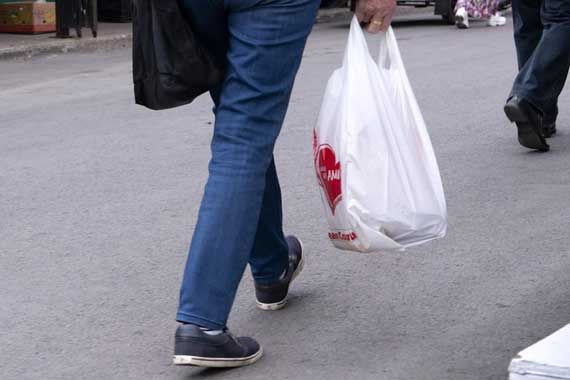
(99, 198)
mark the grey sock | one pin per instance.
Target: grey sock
(211, 332)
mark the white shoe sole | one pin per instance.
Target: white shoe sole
(281, 304)
(271, 306)
(198, 361)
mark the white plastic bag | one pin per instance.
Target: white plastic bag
(375, 164)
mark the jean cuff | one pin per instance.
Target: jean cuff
(199, 321)
(531, 99)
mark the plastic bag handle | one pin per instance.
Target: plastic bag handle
(389, 54)
(357, 48)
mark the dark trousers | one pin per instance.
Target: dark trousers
(542, 38)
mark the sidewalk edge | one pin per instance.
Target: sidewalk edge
(65, 46)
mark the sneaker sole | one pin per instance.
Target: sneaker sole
(281, 304)
(271, 306)
(528, 136)
(198, 361)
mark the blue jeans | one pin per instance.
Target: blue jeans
(240, 218)
(542, 38)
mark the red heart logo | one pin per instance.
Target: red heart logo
(328, 173)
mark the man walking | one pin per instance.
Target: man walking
(542, 38)
(261, 43)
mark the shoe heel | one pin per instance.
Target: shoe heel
(514, 114)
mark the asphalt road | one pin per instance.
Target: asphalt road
(99, 198)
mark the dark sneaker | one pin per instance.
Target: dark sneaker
(274, 296)
(549, 130)
(529, 123)
(193, 346)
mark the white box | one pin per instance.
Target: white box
(549, 359)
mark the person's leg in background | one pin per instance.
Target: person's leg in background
(528, 30)
(541, 79)
(494, 17)
(241, 198)
(463, 10)
(544, 63)
(527, 27)
(556, 19)
(488, 9)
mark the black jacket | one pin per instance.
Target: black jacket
(169, 67)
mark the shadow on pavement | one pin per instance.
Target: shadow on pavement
(559, 145)
(410, 23)
(205, 373)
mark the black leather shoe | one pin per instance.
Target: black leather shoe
(193, 346)
(274, 296)
(529, 123)
(549, 130)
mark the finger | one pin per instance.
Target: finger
(387, 14)
(386, 22)
(376, 24)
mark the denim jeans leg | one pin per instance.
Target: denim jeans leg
(528, 30)
(542, 77)
(527, 27)
(266, 42)
(557, 13)
(270, 253)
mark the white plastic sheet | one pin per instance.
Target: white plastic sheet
(374, 160)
